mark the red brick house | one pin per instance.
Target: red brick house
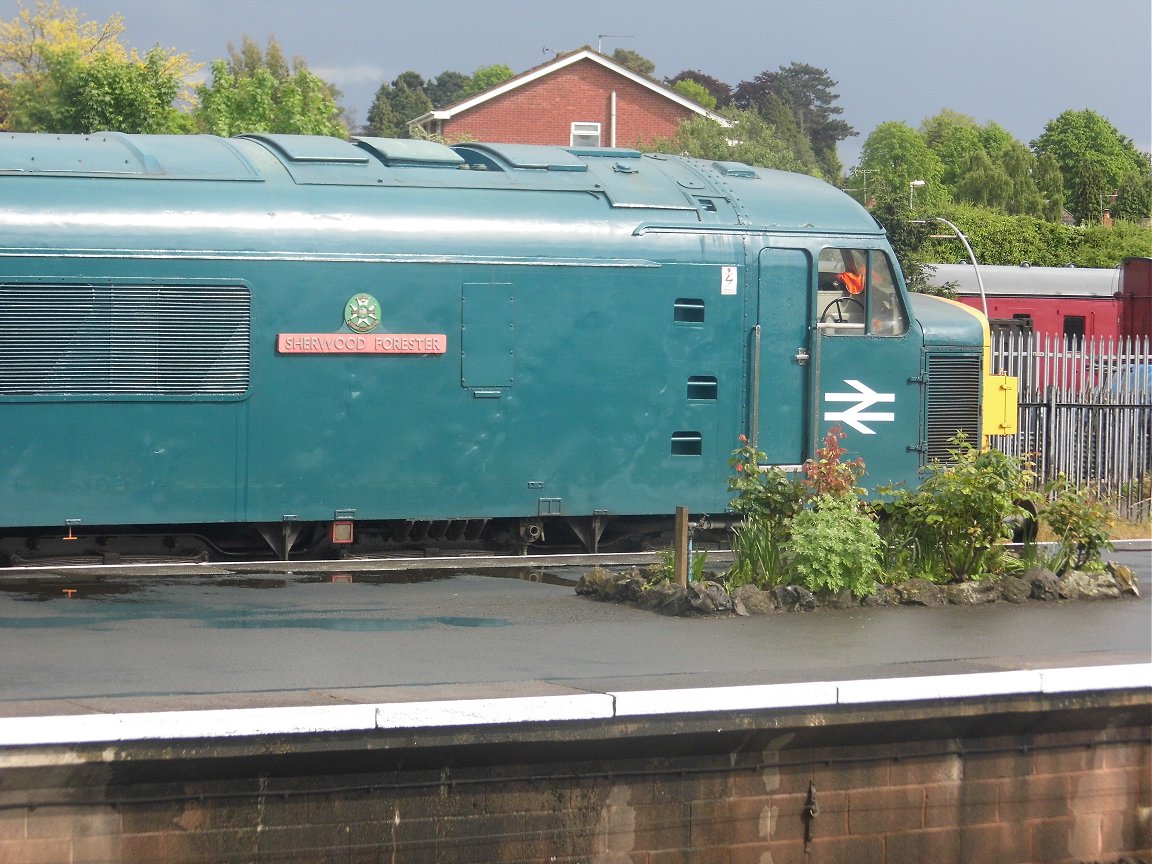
(579, 99)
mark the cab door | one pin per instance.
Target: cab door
(866, 361)
(779, 411)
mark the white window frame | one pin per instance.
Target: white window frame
(582, 132)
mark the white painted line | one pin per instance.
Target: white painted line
(638, 703)
(168, 725)
(247, 722)
(468, 712)
(969, 685)
(1097, 678)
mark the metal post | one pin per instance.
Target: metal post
(972, 258)
(680, 547)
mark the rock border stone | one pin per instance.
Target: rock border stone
(709, 597)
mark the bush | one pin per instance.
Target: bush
(1082, 522)
(962, 511)
(762, 494)
(835, 545)
(769, 501)
(757, 553)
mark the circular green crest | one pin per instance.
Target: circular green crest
(362, 313)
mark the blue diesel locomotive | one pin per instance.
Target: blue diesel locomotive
(306, 345)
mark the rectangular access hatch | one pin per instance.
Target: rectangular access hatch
(312, 148)
(410, 152)
(487, 349)
(531, 156)
(735, 169)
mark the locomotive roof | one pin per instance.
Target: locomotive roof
(1029, 281)
(653, 193)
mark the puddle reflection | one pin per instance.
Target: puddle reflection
(353, 625)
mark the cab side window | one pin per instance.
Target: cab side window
(857, 294)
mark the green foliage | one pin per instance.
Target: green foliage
(695, 91)
(1094, 159)
(446, 88)
(396, 105)
(895, 154)
(102, 93)
(61, 73)
(750, 140)
(721, 93)
(963, 510)
(769, 500)
(758, 552)
(985, 165)
(807, 93)
(664, 570)
(634, 62)
(1082, 522)
(835, 545)
(1098, 246)
(258, 92)
(1133, 200)
(997, 238)
(765, 493)
(488, 76)
(766, 548)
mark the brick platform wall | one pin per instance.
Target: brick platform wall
(542, 112)
(1075, 796)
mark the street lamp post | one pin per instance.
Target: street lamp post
(912, 187)
(972, 258)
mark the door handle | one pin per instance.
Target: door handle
(802, 356)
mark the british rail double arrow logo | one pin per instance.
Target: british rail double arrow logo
(864, 397)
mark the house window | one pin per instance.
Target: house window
(585, 134)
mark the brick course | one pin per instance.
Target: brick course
(542, 111)
(1020, 807)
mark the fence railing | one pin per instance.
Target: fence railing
(1085, 412)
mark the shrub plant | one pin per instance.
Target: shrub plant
(962, 512)
(769, 500)
(814, 531)
(1081, 521)
(835, 544)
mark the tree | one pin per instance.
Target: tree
(71, 95)
(257, 91)
(954, 137)
(1050, 185)
(488, 76)
(720, 91)
(807, 91)
(1093, 158)
(61, 73)
(634, 61)
(749, 140)
(985, 165)
(908, 237)
(1134, 197)
(396, 105)
(446, 88)
(895, 155)
(783, 122)
(696, 92)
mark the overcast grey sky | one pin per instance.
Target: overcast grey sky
(1019, 63)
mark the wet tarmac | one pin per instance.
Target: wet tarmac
(260, 637)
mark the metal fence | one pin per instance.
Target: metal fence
(1085, 412)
